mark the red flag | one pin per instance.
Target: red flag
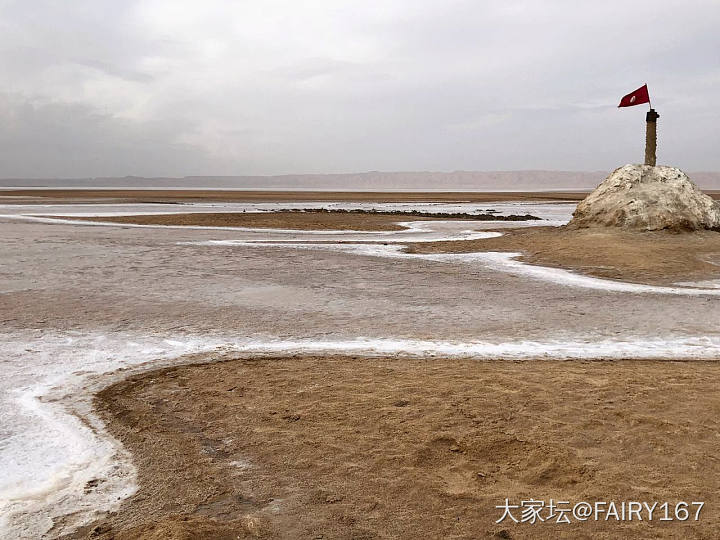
(636, 98)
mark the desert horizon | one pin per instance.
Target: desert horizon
(161, 324)
(421, 181)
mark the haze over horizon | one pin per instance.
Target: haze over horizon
(419, 181)
(96, 88)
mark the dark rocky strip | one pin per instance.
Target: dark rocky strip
(415, 213)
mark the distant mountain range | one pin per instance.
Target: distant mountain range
(366, 181)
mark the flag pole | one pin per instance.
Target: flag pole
(651, 136)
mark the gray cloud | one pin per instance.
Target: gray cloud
(161, 87)
(57, 140)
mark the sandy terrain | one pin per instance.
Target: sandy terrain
(360, 448)
(277, 220)
(25, 196)
(304, 220)
(394, 448)
(169, 195)
(649, 257)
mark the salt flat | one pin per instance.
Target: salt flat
(79, 300)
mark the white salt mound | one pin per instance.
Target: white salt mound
(645, 198)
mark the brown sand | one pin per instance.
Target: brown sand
(273, 220)
(313, 219)
(186, 195)
(395, 448)
(650, 257)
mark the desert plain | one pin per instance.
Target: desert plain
(205, 366)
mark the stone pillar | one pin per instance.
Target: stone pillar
(651, 137)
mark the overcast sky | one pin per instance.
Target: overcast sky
(180, 87)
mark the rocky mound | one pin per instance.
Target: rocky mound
(645, 198)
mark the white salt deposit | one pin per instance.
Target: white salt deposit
(52, 444)
(500, 261)
(49, 453)
(645, 198)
